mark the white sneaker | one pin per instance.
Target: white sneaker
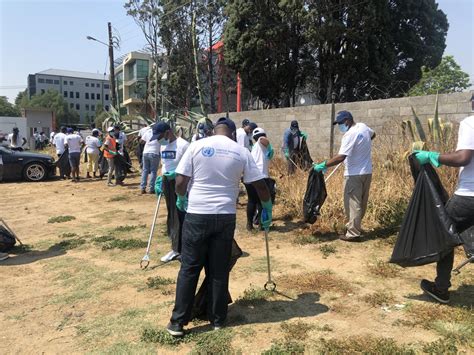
(170, 256)
(4, 256)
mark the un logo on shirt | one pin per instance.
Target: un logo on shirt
(208, 151)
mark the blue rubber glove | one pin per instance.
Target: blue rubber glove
(182, 203)
(304, 135)
(170, 175)
(287, 153)
(159, 185)
(266, 214)
(270, 152)
(321, 167)
(425, 157)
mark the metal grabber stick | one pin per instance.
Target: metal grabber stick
(332, 172)
(146, 259)
(269, 285)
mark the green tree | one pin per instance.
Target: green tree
(22, 95)
(445, 78)
(53, 100)
(8, 109)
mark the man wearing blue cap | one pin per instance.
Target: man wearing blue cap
(172, 150)
(356, 153)
(211, 169)
(244, 134)
(292, 145)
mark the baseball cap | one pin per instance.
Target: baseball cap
(227, 121)
(294, 124)
(258, 132)
(69, 130)
(245, 122)
(160, 128)
(253, 125)
(341, 116)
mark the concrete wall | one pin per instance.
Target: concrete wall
(384, 116)
(39, 119)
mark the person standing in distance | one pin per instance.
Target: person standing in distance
(172, 150)
(73, 142)
(93, 145)
(150, 160)
(110, 151)
(244, 134)
(460, 206)
(292, 141)
(63, 164)
(15, 140)
(203, 129)
(356, 153)
(211, 169)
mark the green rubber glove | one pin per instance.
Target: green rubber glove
(304, 135)
(159, 185)
(321, 167)
(266, 218)
(170, 175)
(270, 152)
(425, 157)
(182, 203)
(287, 153)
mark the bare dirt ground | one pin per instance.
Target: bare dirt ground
(77, 286)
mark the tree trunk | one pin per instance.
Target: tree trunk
(196, 62)
(210, 66)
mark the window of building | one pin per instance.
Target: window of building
(42, 91)
(87, 107)
(71, 105)
(49, 81)
(92, 96)
(92, 107)
(78, 107)
(56, 82)
(40, 80)
(106, 107)
(71, 83)
(64, 82)
(71, 94)
(98, 96)
(142, 69)
(77, 95)
(106, 86)
(65, 93)
(87, 95)
(106, 97)
(92, 85)
(87, 85)
(97, 85)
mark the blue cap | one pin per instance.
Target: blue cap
(342, 116)
(69, 130)
(228, 122)
(160, 128)
(253, 125)
(245, 122)
(294, 124)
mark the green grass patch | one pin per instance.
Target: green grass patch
(119, 198)
(128, 228)
(296, 331)
(124, 244)
(362, 345)
(69, 244)
(214, 342)
(303, 239)
(158, 282)
(253, 296)
(285, 348)
(159, 336)
(327, 249)
(379, 298)
(68, 235)
(441, 346)
(383, 269)
(61, 219)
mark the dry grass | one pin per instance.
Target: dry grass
(379, 298)
(383, 269)
(314, 281)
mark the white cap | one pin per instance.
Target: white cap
(258, 131)
(110, 129)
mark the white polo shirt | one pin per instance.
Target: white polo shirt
(59, 142)
(73, 141)
(215, 165)
(151, 147)
(356, 145)
(466, 173)
(259, 154)
(172, 153)
(242, 138)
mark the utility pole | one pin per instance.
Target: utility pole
(112, 68)
(333, 118)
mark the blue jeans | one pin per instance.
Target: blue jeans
(207, 241)
(150, 166)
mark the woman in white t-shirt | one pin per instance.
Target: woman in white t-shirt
(262, 153)
(92, 150)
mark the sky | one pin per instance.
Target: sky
(36, 35)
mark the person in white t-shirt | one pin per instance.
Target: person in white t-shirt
(244, 134)
(150, 161)
(172, 150)
(211, 169)
(63, 164)
(73, 142)
(141, 144)
(51, 137)
(460, 206)
(203, 129)
(15, 140)
(262, 153)
(93, 145)
(356, 153)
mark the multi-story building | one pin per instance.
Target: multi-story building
(131, 78)
(82, 91)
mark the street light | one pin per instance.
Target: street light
(95, 39)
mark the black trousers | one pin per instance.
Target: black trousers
(461, 211)
(207, 238)
(175, 218)
(63, 164)
(254, 204)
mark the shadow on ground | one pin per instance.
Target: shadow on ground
(21, 255)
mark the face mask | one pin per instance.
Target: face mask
(343, 128)
(163, 141)
(117, 134)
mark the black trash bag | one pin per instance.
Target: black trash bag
(7, 240)
(427, 233)
(467, 237)
(121, 167)
(200, 301)
(63, 164)
(314, 197)
(302, 157)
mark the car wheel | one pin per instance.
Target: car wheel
(34, 172)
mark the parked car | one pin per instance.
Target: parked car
(24, 165)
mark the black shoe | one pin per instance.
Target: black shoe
(249, 227)
(430, 288)
(175, 330)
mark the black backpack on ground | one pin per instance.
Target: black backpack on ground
(314, 197)
(7, 240)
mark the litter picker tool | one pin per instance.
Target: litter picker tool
(457, 270)
(293, 162)
(10, 230)
(146, 258)
(269, 285)
(332, 172)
